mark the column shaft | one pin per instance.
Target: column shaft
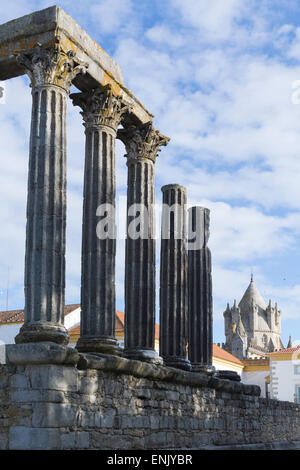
(51, 71)
(142, 144)
(199, 291)
(173, 279)
(97, 330)
(140, 262)
(102, 113)
(46, 219)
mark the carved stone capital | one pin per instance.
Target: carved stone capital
(51, 66)
(142, 141)
(100, 107)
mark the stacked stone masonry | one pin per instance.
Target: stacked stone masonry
(153, 407)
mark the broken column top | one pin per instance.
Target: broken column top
(52, 24)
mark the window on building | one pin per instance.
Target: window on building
(297, 394)
(267, 390)
(297, 369)
(265, 340)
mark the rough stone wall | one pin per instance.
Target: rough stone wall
(62, 407)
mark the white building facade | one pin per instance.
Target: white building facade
(285, 374)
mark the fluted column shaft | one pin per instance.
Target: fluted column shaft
(46, 203)
(173, 336)
(140, 262)
(142, 145)
(97, 327)
(199, 290)
(101, 113)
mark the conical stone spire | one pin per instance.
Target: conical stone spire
(252, 296)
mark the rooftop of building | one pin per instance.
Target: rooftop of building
(286, 351)
(221, 353)
(17, 316)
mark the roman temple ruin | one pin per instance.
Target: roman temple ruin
(97, 395)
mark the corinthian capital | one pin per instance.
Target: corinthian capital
(51, 66)
(100, 107)
(142, 141)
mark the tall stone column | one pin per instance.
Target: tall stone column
(102, 113)
(51, 72)
(199, 291)
(142, 145)
(173, 337)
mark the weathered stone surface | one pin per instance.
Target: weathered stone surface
(121, 365)
(26, 438)
(45, 27)
(228, 374)
(142, 144)
(41, 353)
(46, 204)
(51, 66)
(173, 330)
(102, 113)
(53, 377)
(3, 440)
(199, 291)
(54, 415)
(152, 414)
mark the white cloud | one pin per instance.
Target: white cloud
(110, 15)
(163, 35)
(215, 18)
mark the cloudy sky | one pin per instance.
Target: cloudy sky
(222, 78)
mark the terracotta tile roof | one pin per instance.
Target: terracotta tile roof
(120, 319)
(17, 316)
(156, 332)
(75, 331)
(225, 355)
(286, 351)
(12, 316)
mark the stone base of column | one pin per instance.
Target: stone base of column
(98, 345)
(177, 362)
(146, 355)
(40, 353)
(228, 374)
(203, 368)
(41, 332)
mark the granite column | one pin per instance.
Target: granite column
(102, 113)
(199, 291)
(142, 144)
(173, 336)
(51, 71)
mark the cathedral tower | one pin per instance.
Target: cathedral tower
(252, 328)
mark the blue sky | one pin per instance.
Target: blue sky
(218, 76)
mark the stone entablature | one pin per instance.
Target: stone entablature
(53, 24)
